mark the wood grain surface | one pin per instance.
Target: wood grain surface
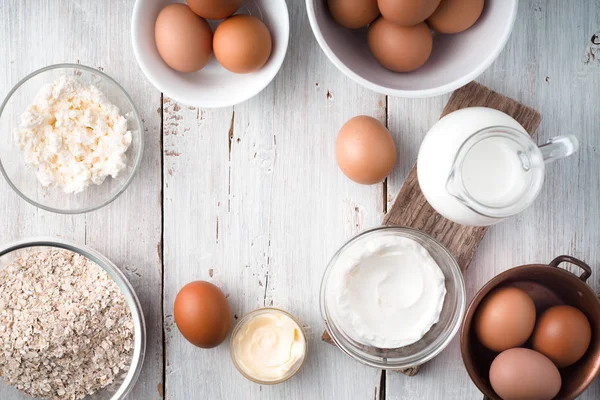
(250, 197)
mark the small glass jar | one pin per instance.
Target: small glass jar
(235, 348)
(439, 335)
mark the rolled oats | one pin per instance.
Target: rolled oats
(66, 330)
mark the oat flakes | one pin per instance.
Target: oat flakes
(66, 330)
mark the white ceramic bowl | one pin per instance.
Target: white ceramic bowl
(455, 60)
(213, 86)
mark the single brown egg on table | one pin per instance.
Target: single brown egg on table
(183, 39)
(202, 314)
(454, 16)
(242, 44)
(563, 334)
(365, 150)
(518, 374)
(353, 14)
(214, 9)
(504, 319)
(399, 48)
(407, 12)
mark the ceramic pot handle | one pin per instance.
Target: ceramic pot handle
(587, 271)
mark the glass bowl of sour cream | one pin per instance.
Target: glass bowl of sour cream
(71, 139)
(392, 297)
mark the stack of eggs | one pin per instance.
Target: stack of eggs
(399, 34)
(185, 41)
(531, 353)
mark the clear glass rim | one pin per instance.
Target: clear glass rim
(139, 155)
(463, 195)
(391, 364)
(139, 351)
(243, 320)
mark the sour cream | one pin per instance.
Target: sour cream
(386, 292)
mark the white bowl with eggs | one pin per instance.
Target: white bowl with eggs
(213, 86)
(456, 59)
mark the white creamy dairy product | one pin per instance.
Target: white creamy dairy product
(73, 135)
(492, 171)
(387, 291)
(268, 345)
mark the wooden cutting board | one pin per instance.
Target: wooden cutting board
(410, 207)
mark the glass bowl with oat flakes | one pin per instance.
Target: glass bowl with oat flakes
(71, 325)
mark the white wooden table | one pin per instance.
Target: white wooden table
(250, 197)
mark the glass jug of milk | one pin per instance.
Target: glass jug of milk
(477, 166)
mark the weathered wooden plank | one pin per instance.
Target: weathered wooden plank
(255, 203)
(546, 66)
(34, 34)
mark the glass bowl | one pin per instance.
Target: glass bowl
(434, 341)
(22, 178)
(122, 386)
(248, 317)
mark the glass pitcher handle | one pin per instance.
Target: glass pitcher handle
(559, 147)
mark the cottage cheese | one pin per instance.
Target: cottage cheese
(73, 136)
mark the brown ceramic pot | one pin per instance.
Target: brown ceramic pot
(548, 285)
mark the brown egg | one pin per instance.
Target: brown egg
(202, 314)
(353, 14)
(407, 12)
(453, 16)
(183, 39)
(504, 319)
(523, 374)
(563, 334)
(398, 48)
(242, 44)
(365, 150)
(214, 9)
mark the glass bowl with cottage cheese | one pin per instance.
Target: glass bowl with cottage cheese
(392, 297)
(78, 331)
(71, 139)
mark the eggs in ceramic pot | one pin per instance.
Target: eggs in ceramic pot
(563, 334)
(518, 374)
(504, 319)
(407, 12)
(454, 16)
(365, 150)
(183, 39)
(353, 14)
(202, 314)
(399, 48)
(214, 9)
(242, 44)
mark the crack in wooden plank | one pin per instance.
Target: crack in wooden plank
(266, 287)
(162, 386)
(229, 167)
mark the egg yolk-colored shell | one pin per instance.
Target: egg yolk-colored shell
(519, 374)
(214, 9)
(183, 39)
(407, 12)
(563, 334)
(353, 14)
(202, 314)
(504, 319)
(398, 48)
(454, 16)
(365, 150)
(242, 44)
